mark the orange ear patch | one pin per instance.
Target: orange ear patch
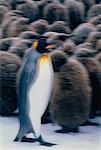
(35, 44)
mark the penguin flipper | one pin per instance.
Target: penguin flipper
(44, 143)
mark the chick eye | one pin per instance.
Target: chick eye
(35, 44)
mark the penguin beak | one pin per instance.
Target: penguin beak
(50, 46)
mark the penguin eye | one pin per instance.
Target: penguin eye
(35, 44)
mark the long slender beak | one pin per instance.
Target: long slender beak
(50, 46)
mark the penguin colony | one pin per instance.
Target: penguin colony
(74, 27)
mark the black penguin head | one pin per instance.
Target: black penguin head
(42, 45)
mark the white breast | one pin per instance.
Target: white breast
(39, 95)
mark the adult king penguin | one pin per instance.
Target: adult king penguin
(34, 89)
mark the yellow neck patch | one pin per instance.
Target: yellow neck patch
(35, 44)
(44, 59)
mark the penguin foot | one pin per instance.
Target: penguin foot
(16, 139)
(47, 144)
(90, 123)
(25, 139)
(42, 142)
(30, 140)
(66, 129)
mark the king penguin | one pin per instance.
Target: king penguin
(35, 84)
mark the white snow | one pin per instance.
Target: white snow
(89, 137)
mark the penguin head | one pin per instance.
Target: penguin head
(59, 58)
(43, 46)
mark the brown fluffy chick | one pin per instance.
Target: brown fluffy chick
(98, 57)
(9, 67)
(94, 70)
(70, 101)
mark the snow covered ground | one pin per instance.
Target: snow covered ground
(89, 137)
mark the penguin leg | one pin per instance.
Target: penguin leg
(44, 143)
(22, 138)
(21, 134)
(66, 129)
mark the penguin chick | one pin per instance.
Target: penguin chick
(55, 12)
(13, 25)
(15, 3)
(4, 3)
(85, 45)
(19, 48)
(98, 57)
(9, 67)
(98, 27)
(95, 20)
(94, 70)
(70, 102)
(94, 11)
(85, 52)
(57, 38)
(60, 27)
(18, 26)
(29, 35)
(5, 43)
(88, 4)
(81, 33)
(29, 10)
(13, 13)
(69, 47)
(40, 26)
(3, 12)
(36, 69)
(98, 45)
(93, 37)
(75, 11)
(58, 59)
(6, 25)
(41, 5)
